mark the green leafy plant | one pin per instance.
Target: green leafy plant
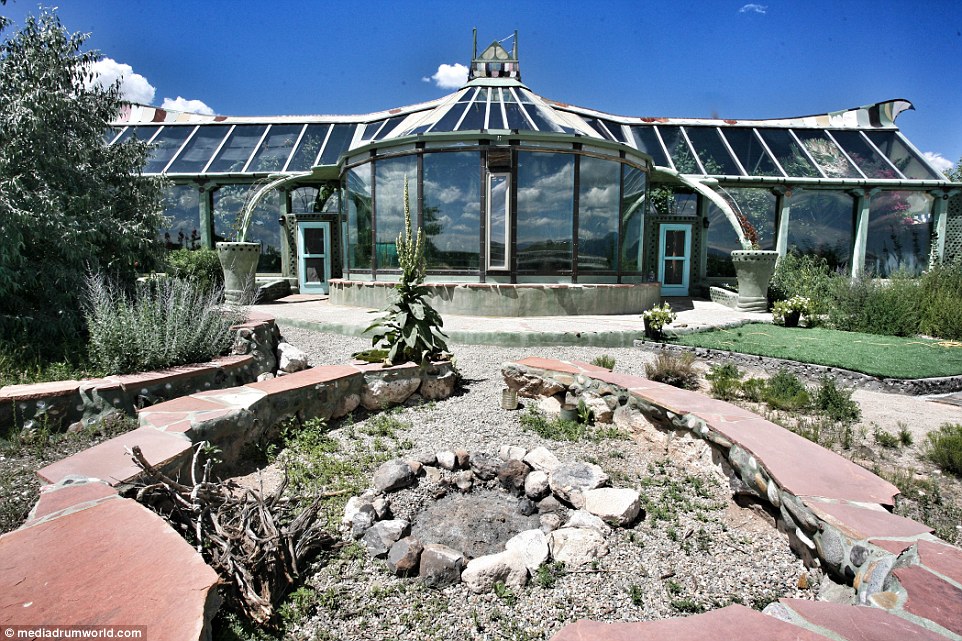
(944, 448)
(201, 266)
(724, 381)
(606, 361)
(803, 275)
(162, 323)
(940, 301)
(656, 318)
(874, 306)
(556, 429)
(905, 436)
(636, 594)
(678, 371)
(548, 574)
(784, 391)
(411, 328)
(505, 593)
(836, 403)
(787, 312)
(753, 389)
(586, 415)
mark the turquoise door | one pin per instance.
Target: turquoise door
(674, 259)
(313, 257)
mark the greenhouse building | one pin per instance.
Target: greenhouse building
(513, 190)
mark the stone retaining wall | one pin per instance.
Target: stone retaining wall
(835, 513)
(814, 373)
(63, 403)
(502, 299)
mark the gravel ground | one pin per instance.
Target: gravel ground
(702, 551)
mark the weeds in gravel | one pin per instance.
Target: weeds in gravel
(785, 391)
(608, 362)
(636, 594)
(559, 429)
(886, 439)
(944, 448)
(678, 371)
(505, 593)
(922, 499)
(725, 381)
(549, 573)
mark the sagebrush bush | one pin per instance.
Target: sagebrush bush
(785, 391)
(678, 371)
(836, 403)
(873, 306)
(803, 275)
(725, 381)
(940, 302)
(200, 266)
(944, 448)
(159, 324)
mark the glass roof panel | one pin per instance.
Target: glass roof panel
(370, 129)
(141, 133)
(750, 152)
(276, 148)
(788, 153)
(337, 144)
(678, 149)
(234, 154)
(647, 141)
(595, 124)
(827, 154)
(474, 116)
(900, 155)
(310, 145)
(198, 151)
(110, 133)
(868, 160)
(164, 146)
(389, 126)
(711, 151)
(450, 120)
(616, 130)
(496, 111)
(514, 112)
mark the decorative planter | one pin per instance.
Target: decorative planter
(651, 332)
(754, 268)
(509, 399)
(791, 319)
(239, 262)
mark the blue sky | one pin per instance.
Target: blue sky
(684, 59)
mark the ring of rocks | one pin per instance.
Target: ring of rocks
(489, 518)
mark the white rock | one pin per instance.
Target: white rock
(569, 481)
(353, 507)
(617, 506)
(536, 485)
(511, 452)
(549, 405)
(436, 388)
(291, 359)
(598, 407)
(576, 547)
(483, 572)
(447, 460)
(378, 394)
(585, 519)
(531, 546)
(541, 459)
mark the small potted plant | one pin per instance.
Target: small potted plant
(753, 267)
(655, 320)
(789, 312)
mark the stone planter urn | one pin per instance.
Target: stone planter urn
(754, 268)
(239, 262)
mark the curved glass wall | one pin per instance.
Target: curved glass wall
(359, 221)
(229, 201)
(599, 187)
(451, 210)
(390, 174)
(181, 207)
(544, 213)
(634, 193)
(899, 233)
(759, 207)
(822, 223)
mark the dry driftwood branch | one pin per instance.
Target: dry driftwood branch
(258, 544)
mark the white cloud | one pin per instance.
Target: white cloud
(754, 8)
(938, 161)
(133, 88)
(190, 106)
(449, 76)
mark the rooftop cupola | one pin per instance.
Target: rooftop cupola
(495, 61)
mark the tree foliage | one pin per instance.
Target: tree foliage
(69, 203)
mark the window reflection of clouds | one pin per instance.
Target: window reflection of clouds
(389, 185)
(545, 207)
(598, 214)
(452, 209)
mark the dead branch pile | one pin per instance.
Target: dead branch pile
(259, 545)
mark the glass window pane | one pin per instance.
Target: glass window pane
(901, 156)
(263, 228)
(359, 230)
(306, 152)
(276, 148)
(314, 270)
(370, 129)
(827, 154)
(498, 199)
(545, 198)
(750, 152)
(450, 119)
(540, 118)
(198, 151)
(675, 271)
(389, 205)
(474, 118)
(647, 141)
(788, 153)
(616, 130)
(758, 206)
(182, 209)
(234, 154)
(451, 211)
(337, 144)
(600, 181)
(899, 232)
(711, 151)
(140, 133)
(822, 223)
(164, 146)
(678, 150)
(862, 154)
(675, 243)
(634, 192)
(389, 126)
(315, 200)
(516, 118)
(314, 240)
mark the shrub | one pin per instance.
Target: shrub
(874, 306)
(674, 370)
(608, 362)
(724, 381)
(885, 439)
(753, 389)
(656, 318)
(940, 296)
(162, 323)
(803, 275)
(944, 448)
(201, 266)
(798, 305)
(836, 403)
(784, 391)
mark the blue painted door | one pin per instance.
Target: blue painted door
(674, 259)
(313, 257)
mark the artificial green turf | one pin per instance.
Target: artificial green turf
(885, 356)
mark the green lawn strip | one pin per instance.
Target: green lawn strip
(885, 356)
